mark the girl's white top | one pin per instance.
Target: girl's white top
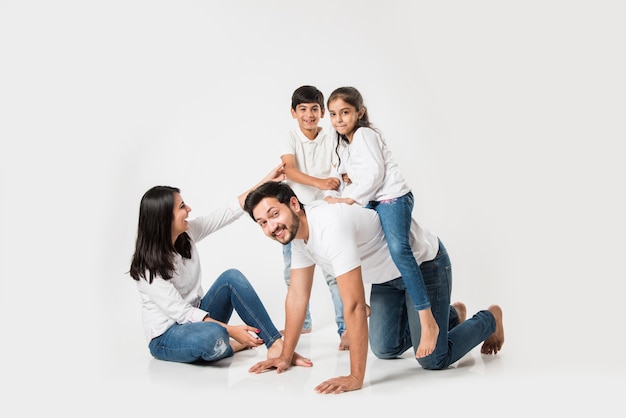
(374, 173)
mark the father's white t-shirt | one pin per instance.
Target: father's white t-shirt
(343, 237)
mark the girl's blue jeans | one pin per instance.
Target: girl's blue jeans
(395, 217)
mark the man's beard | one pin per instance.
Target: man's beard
(292, 230)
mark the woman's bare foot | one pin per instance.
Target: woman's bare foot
(461, 310)
(237, 346)
(298, 360)
(493, 344)
(430, 332)
(304, 331)
(275, 349)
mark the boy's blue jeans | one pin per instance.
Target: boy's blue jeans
(394, 325)
(331, 281)
(187, 343)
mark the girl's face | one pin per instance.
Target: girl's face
(179, 221)
(344, 117)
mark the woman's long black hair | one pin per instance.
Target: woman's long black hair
(154, 250)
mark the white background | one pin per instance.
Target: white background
(507, 119)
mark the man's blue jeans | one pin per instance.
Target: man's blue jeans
(394, 325)
(187, 343)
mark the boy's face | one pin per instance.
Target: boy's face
(308, 116)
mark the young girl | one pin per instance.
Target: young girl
(180, 322)
(373, 179)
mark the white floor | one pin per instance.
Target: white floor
(515, 380)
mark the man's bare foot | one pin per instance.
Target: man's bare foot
(430, 332)
(493, 344)
(461, 310)
(344, 343)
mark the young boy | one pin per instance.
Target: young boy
(309, 159)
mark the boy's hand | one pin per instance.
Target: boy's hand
(331, 183)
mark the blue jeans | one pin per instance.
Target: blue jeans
(395, 217)
(209, 341)
(394, 326)
(331, 281)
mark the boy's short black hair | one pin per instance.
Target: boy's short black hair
(307, 94)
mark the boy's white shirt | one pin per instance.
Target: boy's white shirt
(316, 158)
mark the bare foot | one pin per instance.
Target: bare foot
(430, 332)
(304, 331)
(344, 343)
(237, 346)
(275, 349)
(298, 360)
(460, 310)
(493, 344)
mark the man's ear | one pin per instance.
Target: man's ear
(294, 204)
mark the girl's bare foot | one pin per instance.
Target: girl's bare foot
(493, 344)
(430, 332)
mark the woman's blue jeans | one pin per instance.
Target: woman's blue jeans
(331, 281)
(394, 325)
(395, 217)
(209, 341)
